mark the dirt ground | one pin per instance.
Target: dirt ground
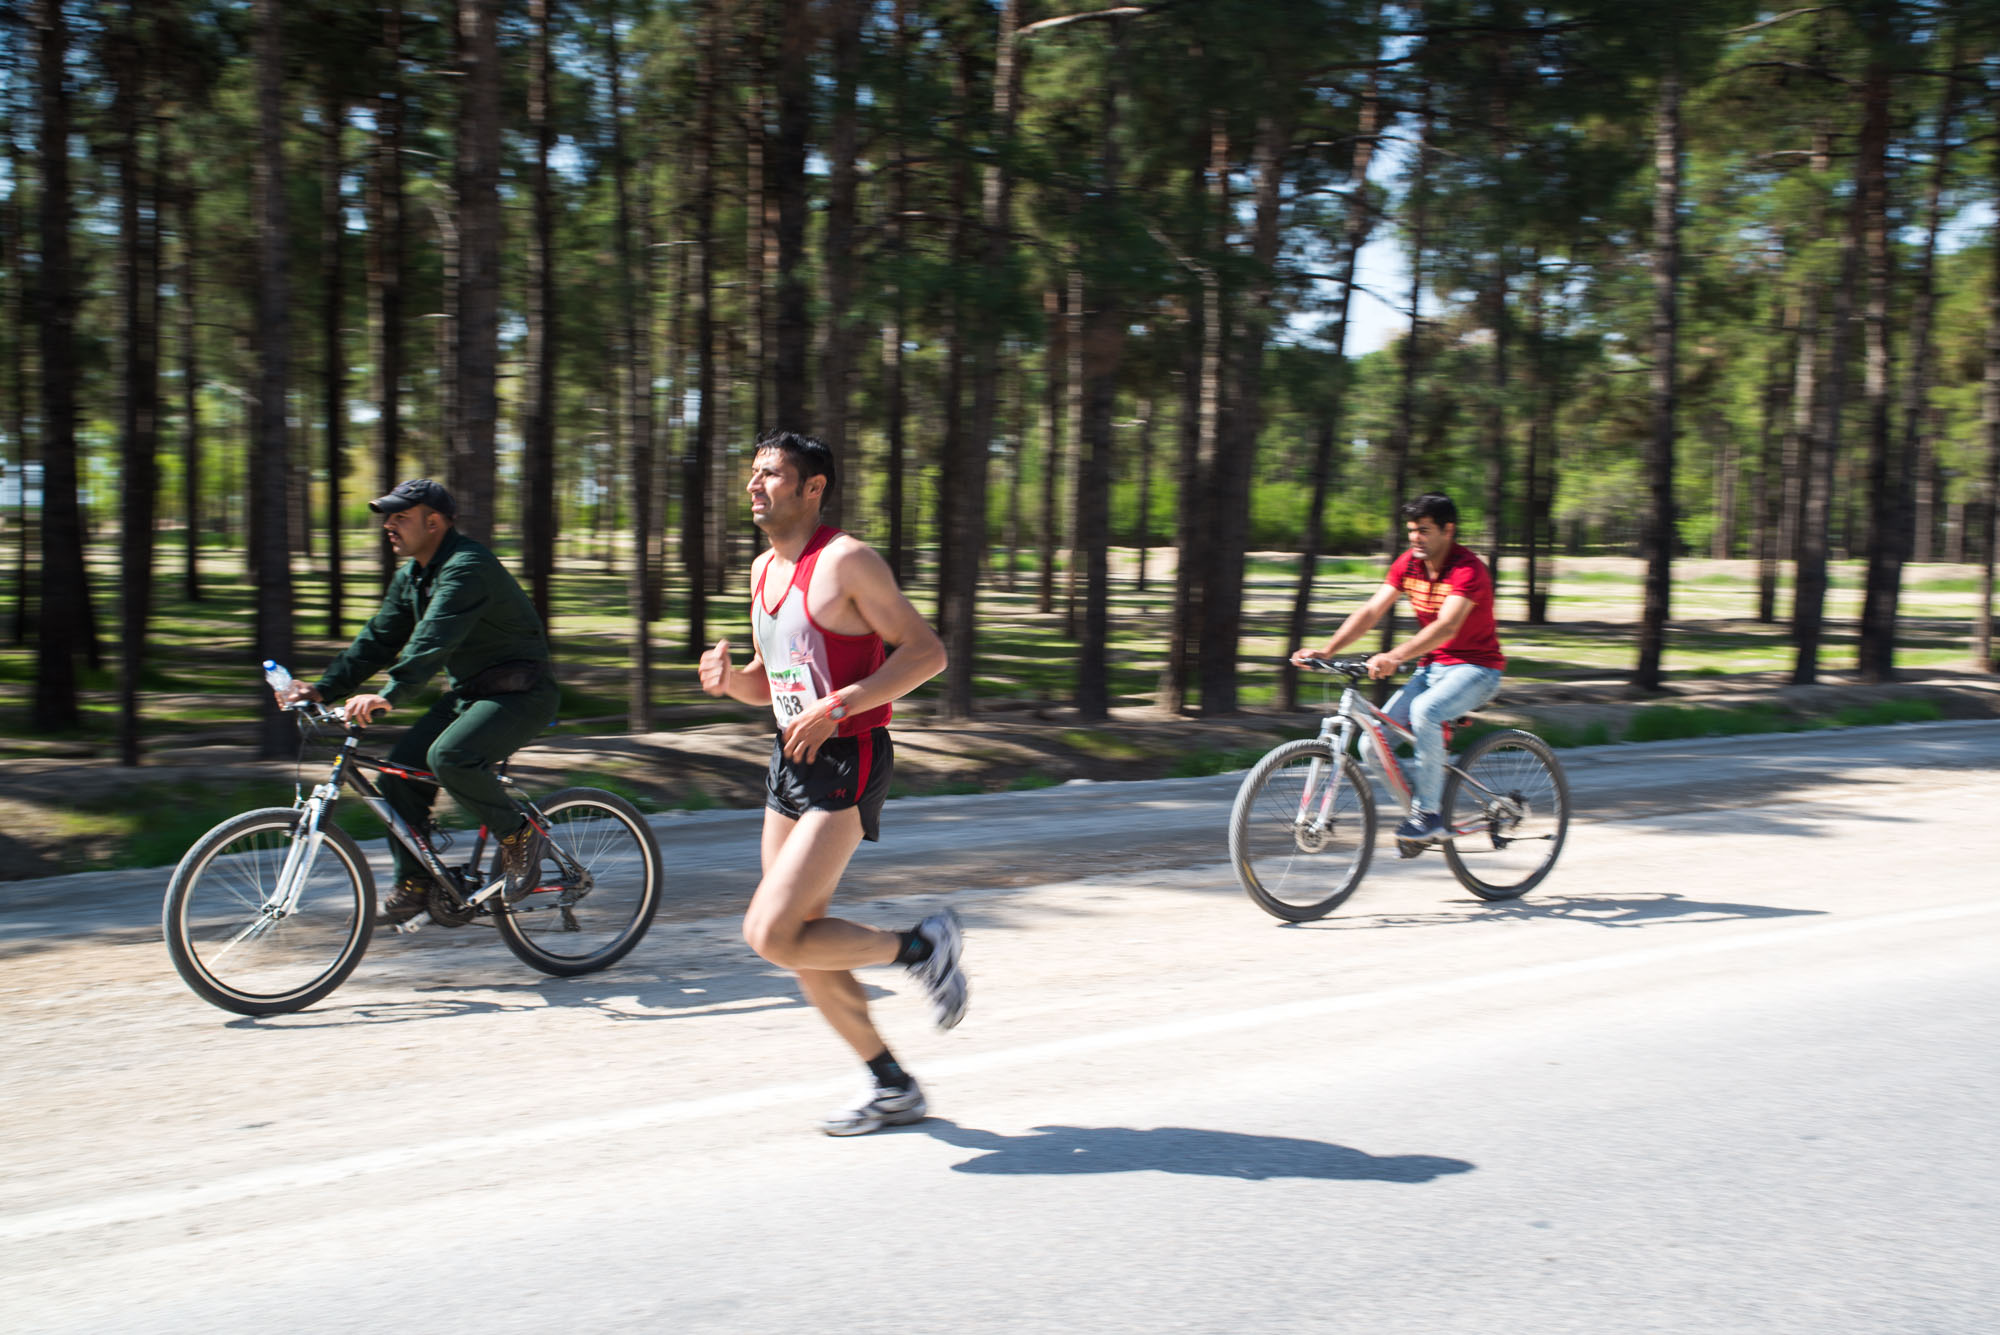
(722, 764)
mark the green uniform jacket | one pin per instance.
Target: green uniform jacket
(463, 612)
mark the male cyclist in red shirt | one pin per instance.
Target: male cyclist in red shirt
(1457, 645)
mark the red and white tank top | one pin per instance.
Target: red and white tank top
(804, 661)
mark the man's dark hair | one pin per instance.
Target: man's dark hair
(1432, 505)
(809, 454)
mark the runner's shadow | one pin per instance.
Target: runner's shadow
(1072, 1150)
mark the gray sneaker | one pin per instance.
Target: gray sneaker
(876, 1108)
(943, 980)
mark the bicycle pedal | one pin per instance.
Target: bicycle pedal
(1409, 848)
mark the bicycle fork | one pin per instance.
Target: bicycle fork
(1322, 789)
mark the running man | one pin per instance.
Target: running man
(1457, 645)
(823, 608)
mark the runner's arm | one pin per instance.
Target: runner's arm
(1359, 622)
(915, 652)
(747, 683)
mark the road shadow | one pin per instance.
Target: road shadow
(1072, 1150)
(629, 998)
(1639, 909)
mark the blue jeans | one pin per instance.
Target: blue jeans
(1435, 694)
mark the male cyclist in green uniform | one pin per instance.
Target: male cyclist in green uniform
(451, 606)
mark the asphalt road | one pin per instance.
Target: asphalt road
(1732, 1068)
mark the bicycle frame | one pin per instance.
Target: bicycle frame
(1358, 717)
(351, 767)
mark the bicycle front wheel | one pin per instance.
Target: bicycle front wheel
(1302, 830)
(241, 940)
(1509, 798)
(597, 889)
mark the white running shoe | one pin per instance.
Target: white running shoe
(943, 980)
(876, 1108)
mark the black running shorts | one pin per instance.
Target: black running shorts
(847, 772)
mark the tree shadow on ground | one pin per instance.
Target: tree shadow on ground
(1072, 1150)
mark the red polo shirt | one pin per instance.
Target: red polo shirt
(1478, 639)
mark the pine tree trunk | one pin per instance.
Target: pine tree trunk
(894, 386)
(1985, 659)
(1657, 535)
(386, 230)
(139, 463)
(186, 278)
(695, 482)
(635, 394)
(1768, 488)
(1144, 538)
(1900, 530)
(1055, 379)
(1888, 467)
(476, 368)
(788, 179)
(19, 317)
(61, 624)
(538, 439)
(333, 294)
(760, 217)
(843, 181)
(270, 453)
(1822, 458)
(1103, 339)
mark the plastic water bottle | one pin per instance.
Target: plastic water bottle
(276, 677)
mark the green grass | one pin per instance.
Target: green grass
(1883, 713)
(610, 783)
(1203, 761)
(1563, 735)
(1102, 745)
(1665, 723)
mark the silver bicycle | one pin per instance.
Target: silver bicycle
(1303, 828)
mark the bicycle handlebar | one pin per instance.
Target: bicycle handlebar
(1354, 669)
(315, 711)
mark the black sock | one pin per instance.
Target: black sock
(916, 948)
(888, 1075)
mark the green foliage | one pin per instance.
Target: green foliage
(1664, 723)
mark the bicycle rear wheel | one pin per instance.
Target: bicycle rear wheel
(237, 945)
(1302, 830)
(596, 892)
(1509, 795)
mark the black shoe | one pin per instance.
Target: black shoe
(1423, 827)
(521, 855)
(410, 897)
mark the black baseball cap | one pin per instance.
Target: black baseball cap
(415, 491)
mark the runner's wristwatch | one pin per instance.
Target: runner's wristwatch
(839, 710)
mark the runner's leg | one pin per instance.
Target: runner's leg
(787, 923)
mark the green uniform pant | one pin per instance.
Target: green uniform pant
(461, 741)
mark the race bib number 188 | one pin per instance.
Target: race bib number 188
(792, 692)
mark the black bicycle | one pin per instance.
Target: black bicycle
(271, 910)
